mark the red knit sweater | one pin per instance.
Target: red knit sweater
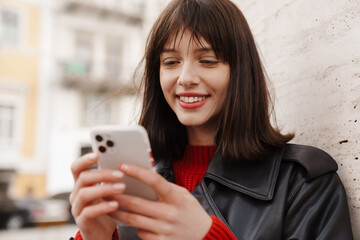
(188, 173)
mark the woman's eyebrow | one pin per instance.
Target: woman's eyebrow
(205, 49)
(197, 50)
(166, 50)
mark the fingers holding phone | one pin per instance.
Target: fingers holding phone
(88, 199)
(83, 163)
(149, 202)
(176, 215)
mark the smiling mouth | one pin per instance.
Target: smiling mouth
(192, 99)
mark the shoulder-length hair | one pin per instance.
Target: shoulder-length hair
(244, 129)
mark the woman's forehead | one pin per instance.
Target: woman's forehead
(176, 38)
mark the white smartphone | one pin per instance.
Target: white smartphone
(124, 144)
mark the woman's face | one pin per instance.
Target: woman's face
(194, 81)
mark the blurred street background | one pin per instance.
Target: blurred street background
(63, 232)
(66, 65)
(59, 63)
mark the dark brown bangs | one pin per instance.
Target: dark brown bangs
(198, 18)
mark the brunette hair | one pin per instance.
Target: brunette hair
(244, 131)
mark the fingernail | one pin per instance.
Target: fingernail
(117, 174)
(119, 186)
(124, 167)
(113, 204)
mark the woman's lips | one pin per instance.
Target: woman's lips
(188, 101)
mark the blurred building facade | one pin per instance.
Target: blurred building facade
(19, 77)
(65, 66)
(96, 47)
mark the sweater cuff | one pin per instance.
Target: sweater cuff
(219, 230)
(79, 237)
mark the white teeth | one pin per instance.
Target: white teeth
(191, 99)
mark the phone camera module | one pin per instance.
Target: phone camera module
(98, 138)
(102, 149)
(110, 143)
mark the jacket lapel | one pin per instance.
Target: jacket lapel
(256, 179)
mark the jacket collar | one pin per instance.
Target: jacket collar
(256, 179)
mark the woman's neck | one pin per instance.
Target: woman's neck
(200, 136)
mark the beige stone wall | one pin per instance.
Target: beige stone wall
(311, 51)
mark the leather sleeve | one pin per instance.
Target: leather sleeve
(318, 209)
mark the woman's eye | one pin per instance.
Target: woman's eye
(209, 62)
(170, 63)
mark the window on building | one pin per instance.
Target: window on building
(84, 49)
(113, 57)
(7, 124)
(9, 27)
(12, 109)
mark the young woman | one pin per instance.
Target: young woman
(223, 171)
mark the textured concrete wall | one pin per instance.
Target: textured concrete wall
(311, 50)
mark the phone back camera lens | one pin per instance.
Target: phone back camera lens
(98, 138)
(102, 149)
(110, 143)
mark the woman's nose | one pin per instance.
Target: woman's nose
(188, 76)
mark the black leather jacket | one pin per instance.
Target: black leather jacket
(294, 193)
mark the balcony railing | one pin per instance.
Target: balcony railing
(78, 75)
(130, 10)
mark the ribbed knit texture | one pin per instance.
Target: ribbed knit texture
(79, 237)
(188, 173)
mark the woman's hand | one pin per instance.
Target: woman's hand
(89, 206)
(177, 215)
